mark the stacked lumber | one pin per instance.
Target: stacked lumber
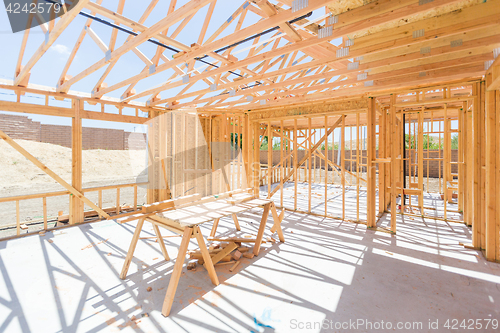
(223, 253)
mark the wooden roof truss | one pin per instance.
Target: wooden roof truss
(384, 45)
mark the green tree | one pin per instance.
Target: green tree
(276, 145)
(236, 140)
(454, 141)
(428, 141)
(330, 146)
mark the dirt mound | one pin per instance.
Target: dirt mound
(98, 165)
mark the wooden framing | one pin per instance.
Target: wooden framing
(491, 188)
(478, 30)
(371, 164)
(422, 77)
(394, 163)
(76, 205)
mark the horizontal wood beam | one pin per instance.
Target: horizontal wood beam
(67, 112)
(47, 91)
(341, 106)
(435, 101)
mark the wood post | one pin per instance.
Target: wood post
(282, 168)
(497, 170)
(461, 132)
(446, 161)
(420, 166)
(161, 144)
(246, 141)
(401, 144)
(256, 159)
(469, 160)
(342, 162)
(269, 157)
(485, 213)
(44, 213)
(18, 219)
(371, 165)
(153, 166)
(465, 141)
(295, 164)
(358, 161)
(394, 163)
(482, 147)
(388, 146)
(76, 205)
(492, 235)
(309, 163)
(381, 166)
(326, 166)
(117, 201)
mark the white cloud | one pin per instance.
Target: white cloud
(61, 49)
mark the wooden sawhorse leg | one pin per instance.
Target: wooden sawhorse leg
(176, 273)
(179, 263)
(281, 216)
(160, 241)
(214, 228)
(216, 224)
(277, 223)
(262, 226)
(236, 223)
(206, 256)
(131, 249)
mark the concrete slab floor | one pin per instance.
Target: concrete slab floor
(327, 273)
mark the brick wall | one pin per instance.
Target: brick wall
(435, 168)
(22, 127)
(56, 134)
(97, 138)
